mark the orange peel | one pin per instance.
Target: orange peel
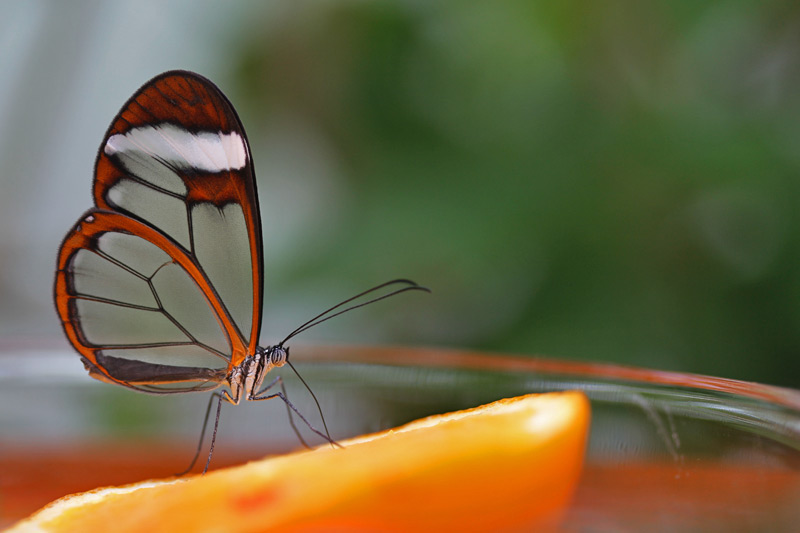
(506, 466)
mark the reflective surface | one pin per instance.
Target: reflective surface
(667, 451)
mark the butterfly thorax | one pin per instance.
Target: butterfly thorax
(245, 379)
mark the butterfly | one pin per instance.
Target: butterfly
(159, 286)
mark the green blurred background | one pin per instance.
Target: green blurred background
(609, 181)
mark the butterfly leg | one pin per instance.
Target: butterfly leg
(227, 397)
(279, 381)
(219, 396)
(260, 395)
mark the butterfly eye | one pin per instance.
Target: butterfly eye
(278, 356)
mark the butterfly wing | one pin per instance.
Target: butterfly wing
(136, 308)
(164, 279)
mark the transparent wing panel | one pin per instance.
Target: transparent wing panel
(134, 252)
(132, 300)
(94, 275)
(106, 324)
(180, 297)
(163, 211)
(223, 250)
(187, 356)
(155, 171)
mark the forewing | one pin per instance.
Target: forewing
(139, 310)
(176, 158)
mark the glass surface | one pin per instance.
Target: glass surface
(667, 451)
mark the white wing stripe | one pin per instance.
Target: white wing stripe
(205, 151)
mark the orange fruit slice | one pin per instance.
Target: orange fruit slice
(506, 466)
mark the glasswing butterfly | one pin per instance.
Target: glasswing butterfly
(159, 286)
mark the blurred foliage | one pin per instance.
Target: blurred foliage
(613, 181)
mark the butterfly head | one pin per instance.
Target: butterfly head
(277, 355)
(249, 375)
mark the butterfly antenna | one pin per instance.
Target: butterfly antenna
(319, 407)
(323, 316)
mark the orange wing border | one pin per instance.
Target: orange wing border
(83, 236)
